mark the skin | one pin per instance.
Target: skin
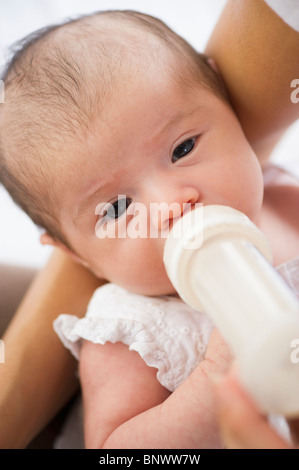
(220, 169)
(139, 139)
(24, 392)
(65, 286)
(154, 418)
(257, 55)
(235, 409)
(258, 67)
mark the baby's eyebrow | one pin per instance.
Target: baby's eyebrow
(177, 117)
(83, 206)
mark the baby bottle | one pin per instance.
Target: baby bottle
(221, 263)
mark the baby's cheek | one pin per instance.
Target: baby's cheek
(134, 264)
(151, 279)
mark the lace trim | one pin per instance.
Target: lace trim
(172, 368)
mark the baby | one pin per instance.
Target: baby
(111, 110)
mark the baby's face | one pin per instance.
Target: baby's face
(153, 143)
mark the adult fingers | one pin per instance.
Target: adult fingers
(241, 424)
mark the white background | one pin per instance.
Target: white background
(192, 19)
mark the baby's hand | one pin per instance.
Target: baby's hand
(219, 357)
(194, 401)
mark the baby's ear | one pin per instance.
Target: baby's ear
(46, 239)
(213, 64)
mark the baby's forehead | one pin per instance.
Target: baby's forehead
(104, 35)
(97, 53)
(65, 80)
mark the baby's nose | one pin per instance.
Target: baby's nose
(164, 214)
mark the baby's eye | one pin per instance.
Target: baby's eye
(183, 149)
(115, 210)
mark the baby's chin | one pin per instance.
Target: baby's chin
(151, 290)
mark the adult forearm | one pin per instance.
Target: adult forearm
(257, 54)
(38, 375)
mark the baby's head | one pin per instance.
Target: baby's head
(112, 104)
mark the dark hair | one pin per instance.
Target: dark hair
(45, 76)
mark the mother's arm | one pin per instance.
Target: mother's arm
(38, 375)
(258, 56)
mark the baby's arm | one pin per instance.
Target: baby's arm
(126, 407)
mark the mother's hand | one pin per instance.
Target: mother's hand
(242, 425)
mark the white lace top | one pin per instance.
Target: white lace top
(167, 333)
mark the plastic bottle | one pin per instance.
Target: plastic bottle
(229, 275)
